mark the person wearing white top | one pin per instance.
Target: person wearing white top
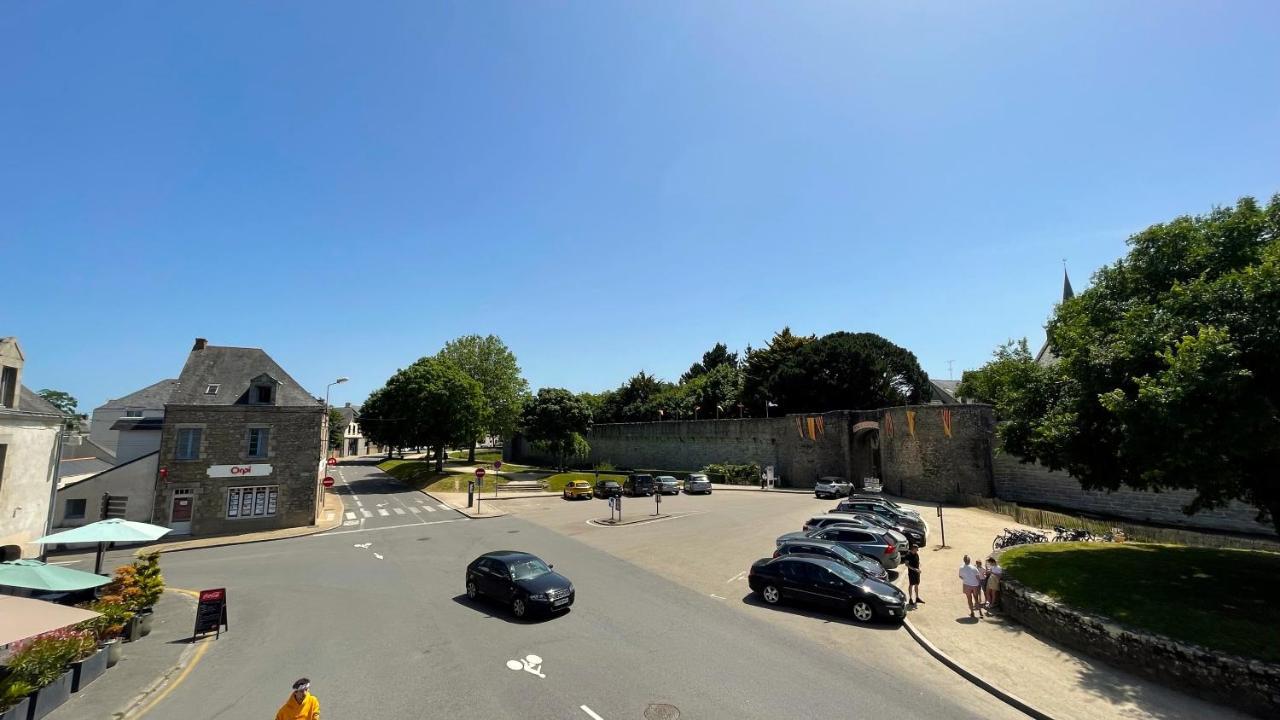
(972, 586)
(993, 582)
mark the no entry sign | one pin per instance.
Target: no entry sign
(328, 482)
(479, 473)
(497, 464)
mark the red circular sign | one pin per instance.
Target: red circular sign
(479, 472)
(328, 482)
(333, 461)
(497, 464)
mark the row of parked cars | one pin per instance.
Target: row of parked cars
(638, 485)
(841, 559)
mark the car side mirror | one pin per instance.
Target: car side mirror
(551, 567)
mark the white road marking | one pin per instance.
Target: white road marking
(530, 663)
(718, 597)
(377, 556)
(736, 577)
(366, 513)
(589, 712)
(351, 516)
(442, 506)
(350, 522)
(398, 511)
(383, 512)
(358, 503)
(362, 546)
(428, 508)
(389, 527)
(414, 510)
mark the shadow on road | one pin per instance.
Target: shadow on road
(492, 609)
(828, 617)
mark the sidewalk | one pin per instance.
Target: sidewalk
(756, 488)
(330, 518)
(1060, 682)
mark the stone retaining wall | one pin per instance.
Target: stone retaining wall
(1250, 685)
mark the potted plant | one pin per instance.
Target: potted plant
(108, 627)
(150, 587)
(89, 660)
(15, 698)
(124, 590)
(42, 662)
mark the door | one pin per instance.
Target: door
(180, 511)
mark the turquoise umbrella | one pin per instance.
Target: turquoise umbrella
(36, 575)
(106, 531)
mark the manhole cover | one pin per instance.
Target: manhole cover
(661, 711)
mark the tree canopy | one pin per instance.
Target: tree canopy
(848, 371)
(760, 371)
(1166, 374)
(488, 361)
(557, 419)
(431, 403)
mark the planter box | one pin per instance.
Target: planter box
(48, 698)
(146, 616)
(115, 650)
(88, 670)
(18, 712)
(133, 628)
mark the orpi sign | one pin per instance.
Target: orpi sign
(238, 471)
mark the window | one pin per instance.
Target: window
(8, 386)
(212, 389)
(251, 502)
(75, 509)
(262, 394)
(133, 413)
(188, 444)
(258, 438)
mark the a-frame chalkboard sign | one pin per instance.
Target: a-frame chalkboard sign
(211, 613)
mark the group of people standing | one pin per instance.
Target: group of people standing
(981, 585)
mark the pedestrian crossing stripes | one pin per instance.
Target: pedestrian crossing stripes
(444, 507)
(414, 510)
(366, 513)
(383, 512)
(399, 511)
(428, 509)
(351, 516)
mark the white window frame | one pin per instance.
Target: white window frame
(212, 388)
(178, 446)
(264, 445)
(248, 502)
(133, 413)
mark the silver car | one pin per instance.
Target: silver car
(666, 485)
(697, 483)
(832, 487)
(873, 542)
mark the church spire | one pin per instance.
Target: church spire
(1067, 292)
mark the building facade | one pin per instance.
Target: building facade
(30, 437)
(105, 421)
(242, 447)
(353, 442)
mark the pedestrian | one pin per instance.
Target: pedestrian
(971, 583)
(994, 574)
(301, 705)
(913, 574)
(982, 582)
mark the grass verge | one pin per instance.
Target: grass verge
(415, 473)
(1218, 598)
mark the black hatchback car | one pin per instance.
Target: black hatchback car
(828, 584)
(868, 566)
(607, 489)
(521, 581)
(638, 484)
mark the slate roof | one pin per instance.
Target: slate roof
(70, 467)
(944, 391)
(29, 403)
(142, 423)
(233, 369)
(151, 396)
(349, 414)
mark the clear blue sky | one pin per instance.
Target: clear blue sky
(607, 186)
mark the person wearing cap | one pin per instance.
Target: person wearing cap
(301, 705)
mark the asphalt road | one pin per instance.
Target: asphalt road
(374, 613)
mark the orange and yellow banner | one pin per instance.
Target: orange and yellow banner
(911, 423)
(888, 424)
(946, 423)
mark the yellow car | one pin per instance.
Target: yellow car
(577, 489)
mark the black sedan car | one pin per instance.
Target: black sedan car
(521, 581)
(607, 489)
(826, 583)
(835, 551)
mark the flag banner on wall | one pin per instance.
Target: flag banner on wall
(888, 424)
(946, 423)
(810, 428)
(799, 428)
(813, 428)
(821, 426)
(911, 423)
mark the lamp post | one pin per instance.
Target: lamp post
(339, 381)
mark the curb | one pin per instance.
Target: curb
(756, 488)
(463, 511)
(317, 529)
(1008, 698)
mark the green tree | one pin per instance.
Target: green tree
(711, 359)
(637, 400)
(380, 424)
(849, 371)
(337, 428)
(1017, 388)
(760, 369)
(431, 403)
(556, 419)
(64, 402)
(488, 361)
(1167, 374)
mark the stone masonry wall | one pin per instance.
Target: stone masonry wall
(925, 463)
(294, 453)
(1035, 484)
(1252, 686)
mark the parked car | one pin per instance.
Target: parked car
(638, 484)
(667, 485)
(826, 583)
(907, 518)
(902, 532)
(697, 483)
(607, 489)
(831, 549)
(521, 581)
(870, 541)
(825, 519)
(881, 499)
(831, 487)
(577, 489)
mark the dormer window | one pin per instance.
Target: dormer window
(212, 390)
(262, 395)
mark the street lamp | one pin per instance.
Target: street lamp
(339, 381)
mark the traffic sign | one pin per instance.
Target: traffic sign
(333, 461)
(497, 464)
(479, 472)
(328, 481)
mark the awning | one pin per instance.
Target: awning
(35, 575)
(21, 618)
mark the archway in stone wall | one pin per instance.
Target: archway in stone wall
(864, 451)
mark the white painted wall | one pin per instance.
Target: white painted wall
(104, 417)
(136, 481)
(136, 443)
(30, 455)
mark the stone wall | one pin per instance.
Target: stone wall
(920, 460)
(28, 452)
(1252, 686)
(295, 451)
(1034, 484)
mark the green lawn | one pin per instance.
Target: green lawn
(1221, 599)
(414, 473)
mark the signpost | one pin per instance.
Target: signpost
(942, 526)
(479, 487)
(211, 613)
(657, 501)
(328, 481)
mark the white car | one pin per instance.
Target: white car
(697, 483)
(832, 487)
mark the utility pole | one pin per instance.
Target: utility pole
(951, 375)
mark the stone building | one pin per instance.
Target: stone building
(30, 434)
(353, 442)
(242, 447)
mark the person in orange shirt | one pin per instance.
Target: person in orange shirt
(301, 705)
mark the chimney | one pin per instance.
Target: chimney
(201, 343)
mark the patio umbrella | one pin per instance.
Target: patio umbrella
(21, 618)
(106, 531)
(39, 576)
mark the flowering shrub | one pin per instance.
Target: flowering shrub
(150, 581)
(124, 589)
(110, 624)
(12, 690)
(40, 660)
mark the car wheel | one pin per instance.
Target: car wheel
(472, 591)
(862, 611)
(518, 607)
(771, 594)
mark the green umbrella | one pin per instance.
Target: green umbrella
(106, 531)
(38, 576)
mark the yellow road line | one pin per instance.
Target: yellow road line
(195, 660)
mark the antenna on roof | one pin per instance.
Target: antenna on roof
(950, 369)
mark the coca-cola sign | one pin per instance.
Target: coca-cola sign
(238, 471)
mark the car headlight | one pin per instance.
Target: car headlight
(539, 596)
(891, 599)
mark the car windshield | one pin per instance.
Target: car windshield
(529, 569)
(848, 574)
(847, 555)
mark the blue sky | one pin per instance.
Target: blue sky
(609, 187)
